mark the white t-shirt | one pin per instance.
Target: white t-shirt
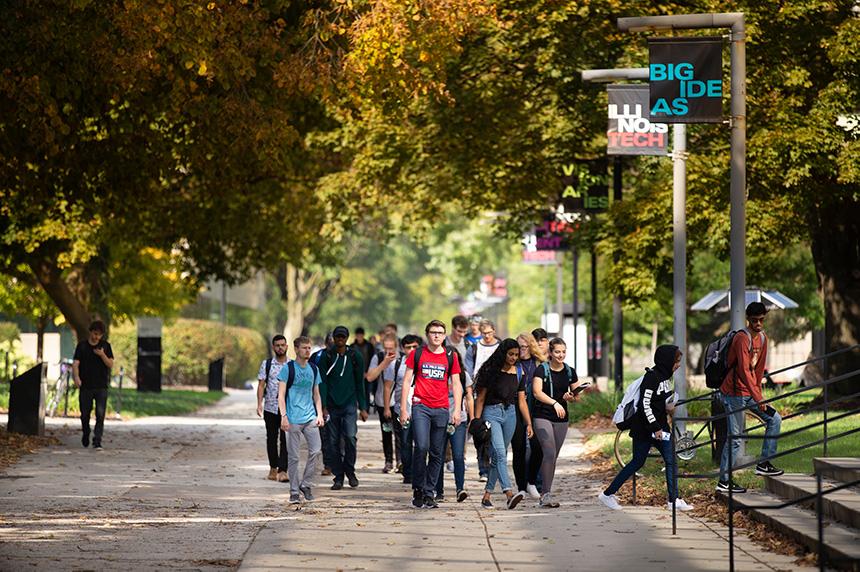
(270, 397)
(483, 354)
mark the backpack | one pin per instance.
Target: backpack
(268, 370)
(548, 378)
(626, 410)
(449, 353)
(291, 372)
(717, 357)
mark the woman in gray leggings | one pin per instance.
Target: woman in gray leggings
(553, 387)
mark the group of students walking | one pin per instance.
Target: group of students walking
(432, 393)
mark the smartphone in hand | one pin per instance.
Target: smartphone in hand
(581, 387)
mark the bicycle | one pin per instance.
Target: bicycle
(685, 444)
(61, 388)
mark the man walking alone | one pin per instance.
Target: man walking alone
(91, 367)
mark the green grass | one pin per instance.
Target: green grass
(799, 462)
(134, 404)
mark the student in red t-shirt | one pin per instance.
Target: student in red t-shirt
(433, 370)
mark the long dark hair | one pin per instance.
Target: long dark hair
(494, 364)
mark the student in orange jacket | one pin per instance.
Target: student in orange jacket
(741, 388)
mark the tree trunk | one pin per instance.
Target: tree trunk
(836, 252)
(48, 274)
(303, 292)
(41, 325)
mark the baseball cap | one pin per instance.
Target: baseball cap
(340, 331)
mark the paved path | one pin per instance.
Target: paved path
(187, 493)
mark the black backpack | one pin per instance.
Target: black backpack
(717, 364)
(449, 353)
(291, 372)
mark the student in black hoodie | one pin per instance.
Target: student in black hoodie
(650, 427)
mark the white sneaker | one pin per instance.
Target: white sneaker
(532, 491)
(610, 501)
(449, 466)
(680, 504)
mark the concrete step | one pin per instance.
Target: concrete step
(842, 543)
(842, 506)
(844, 469)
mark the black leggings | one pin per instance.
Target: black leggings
(525, 472)
(387, 439)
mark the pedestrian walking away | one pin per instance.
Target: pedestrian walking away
(501, 388)
(741, 388)
(393, 384)
(650, 427)
(267, 408)
(343, 392)
(91, 367)
(555, 385)
(380, 362)
(527, 452)
(432, 371)
(300, 408)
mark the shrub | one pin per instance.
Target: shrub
(187, 347)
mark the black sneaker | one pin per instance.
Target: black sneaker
(766, 469)
(97, 445)
(486, 503)
(515, 500)
(440, 497)
(306, 491)
(462, 495)
(85, 440)
(723, 486)
(337, 485)
(429, 502)
(417, 499)
(353, 480)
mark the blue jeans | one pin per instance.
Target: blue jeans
(503, 420)
(734, 426)
(458, 452)
(428, 432)
(641, 448)
(342, 425)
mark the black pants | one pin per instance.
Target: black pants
(85, 399)
(277, 459)
(387, 439)
(525, 467)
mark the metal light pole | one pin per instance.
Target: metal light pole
(679, 280)
(734, 21)
(605, 75)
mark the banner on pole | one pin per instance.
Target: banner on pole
(686, 80)
(630, 132)
(585, 186)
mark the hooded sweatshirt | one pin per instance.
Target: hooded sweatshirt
(343, 379)
(656, 388)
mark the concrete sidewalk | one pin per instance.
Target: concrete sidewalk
(188, 493)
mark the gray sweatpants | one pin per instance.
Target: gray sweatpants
(312, 436)
(551, 436)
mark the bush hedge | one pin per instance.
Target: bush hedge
(187, 347)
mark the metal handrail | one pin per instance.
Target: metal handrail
(746, 436)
